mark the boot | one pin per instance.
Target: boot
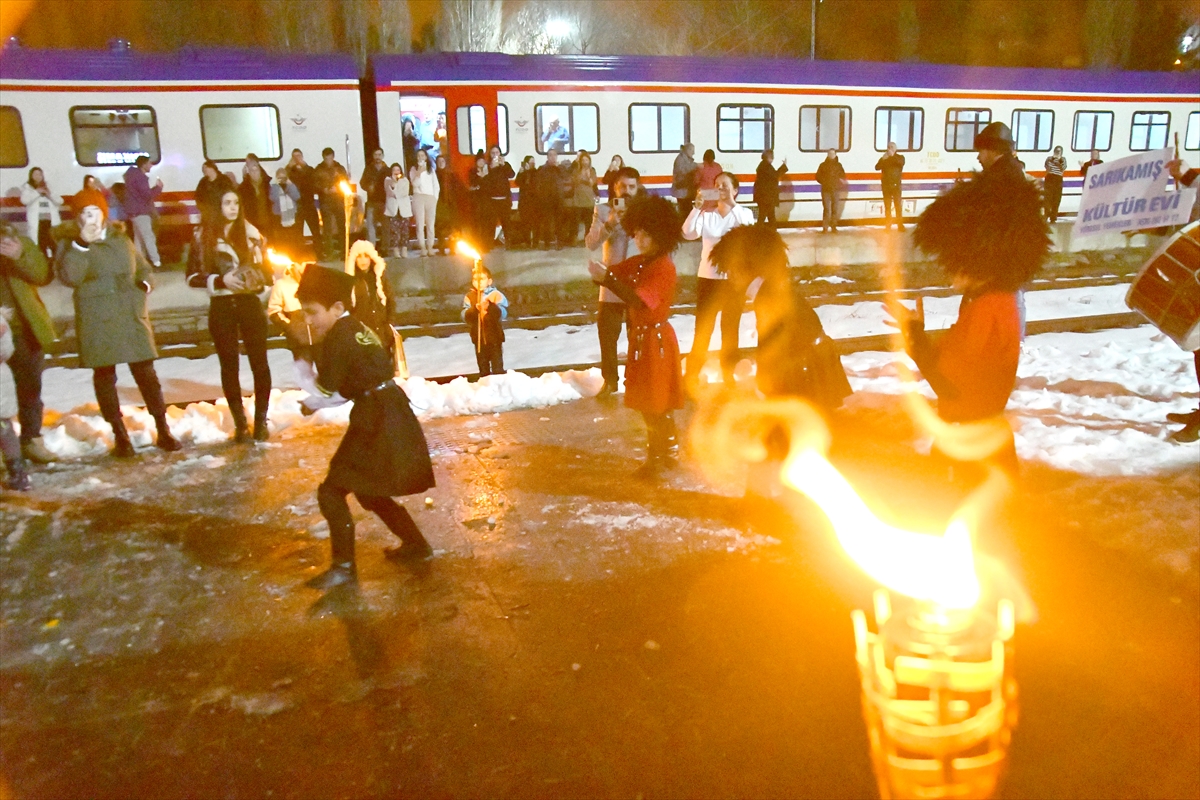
(342, 570)
(165, 441)
(17, 479)
(400, 522)
(241, 433)
(36, 451)
(261, 432)
(124, 447)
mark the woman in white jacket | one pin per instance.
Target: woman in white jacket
(397, 209)
(712, 287)
(41, 210)
(425, 190)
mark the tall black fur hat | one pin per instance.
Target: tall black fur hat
(324, 286)
(989, 228)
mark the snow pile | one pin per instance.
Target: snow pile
(84, 433)
(1090, 403)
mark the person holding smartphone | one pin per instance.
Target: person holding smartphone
(606, 232)
(498, 190)
(712, 287)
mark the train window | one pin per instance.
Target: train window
(963, 125)
(1093, 131)
(745, 128)
(472, 132)
(109, 136)
(502, 128)
(824, 128)
(904, 126)
(228, 133)
(1149, 131)
(1032, 130)
(568, 127)
(657, 128)
(1191, 139)
(12, 138)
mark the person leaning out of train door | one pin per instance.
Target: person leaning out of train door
(766, 187)
(891, 168)
(233, 271)
(112, 322)
(285, 199)
(23, 268)
(302, 175)
(327, 179)
(140, 209)
(41, 210)
(832, 177)
(1052, 184)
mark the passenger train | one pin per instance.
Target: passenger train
(78, 112)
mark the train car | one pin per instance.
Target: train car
(644, 108)
(75, 113)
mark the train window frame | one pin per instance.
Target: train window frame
(957, 123)
(502, 137)
(261, 157)
(1133, 125)
(1015, 128)
(13, 112)
(741, 120)
(154, 159)
(1075, 131)
(469, 128)
(1192, 131)
(539, 147)
(920, 144)
(849, 129)
(687, 125)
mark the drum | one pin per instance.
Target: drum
(1167, 290)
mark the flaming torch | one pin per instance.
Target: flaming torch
(937, 690)
(348, 206)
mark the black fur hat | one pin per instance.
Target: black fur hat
(656, 217)
(325, 286)
(989, 228)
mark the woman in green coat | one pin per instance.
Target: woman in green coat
(112, 324)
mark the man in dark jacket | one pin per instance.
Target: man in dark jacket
(550, 181)
(23, 268)
(301, 174)
(683, 178)
(372, 183)
(327, 179)
(766, 188)
(892, 167)
(140, 210)
(832, 177)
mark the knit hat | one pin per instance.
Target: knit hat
(996, 136)
(89, 197)
(324, 286)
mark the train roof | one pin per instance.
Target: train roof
(509, 69)
(190, 64)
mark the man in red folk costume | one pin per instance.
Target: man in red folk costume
(646, 282)
(988, 234)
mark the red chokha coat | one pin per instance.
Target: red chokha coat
(653, 378)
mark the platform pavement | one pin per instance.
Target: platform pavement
(416, 279)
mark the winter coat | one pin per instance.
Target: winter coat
(372, 182)
(892, 168)
(552, 184)
(495, 184)
(766, 184)
(208, 197)
(526, 191)
(284, 200)
(19, 279)
(36, 204)
(111, 281)
(616, 245)
(831, 175)
(140, 196)
(683, 177)
(398, 200)
(327, 180)
(218, 257)
(489, 330)
(256, 203)
(583, 187)
(424, 182)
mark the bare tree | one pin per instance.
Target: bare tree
(470, 26)
(1108, 27)
(300, 25)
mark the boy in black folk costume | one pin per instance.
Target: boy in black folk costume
(484, 309)
(383, 454)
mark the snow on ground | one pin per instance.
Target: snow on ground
(1090, 403)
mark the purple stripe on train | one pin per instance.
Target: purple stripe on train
(198, 65)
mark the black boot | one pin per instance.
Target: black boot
(400, 522)
(241, 433)
(261, 432)
(165, 440)
(17, 479)
(342, 570)
(124, 447)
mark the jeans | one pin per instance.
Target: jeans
(425, 212)
(231, 317)
(891, 200)
(374, 216)
(333, 224)
(609, 322)
(26, 364)
(713, 297)
(143, 237)
(104, 382)
(831, 208)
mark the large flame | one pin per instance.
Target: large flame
(277, 259)
(465, 249)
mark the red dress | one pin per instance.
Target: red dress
(653, 379)
(978, 357)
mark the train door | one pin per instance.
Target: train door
(476, 123)
(423, 125)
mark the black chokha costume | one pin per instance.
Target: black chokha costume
(383, 454)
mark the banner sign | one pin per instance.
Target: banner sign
(1131, 194)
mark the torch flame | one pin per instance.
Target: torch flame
(937, 569)
(344, 186)
(277, 259)
(465, 249)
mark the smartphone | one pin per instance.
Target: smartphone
(709, 195)
(619, 204)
